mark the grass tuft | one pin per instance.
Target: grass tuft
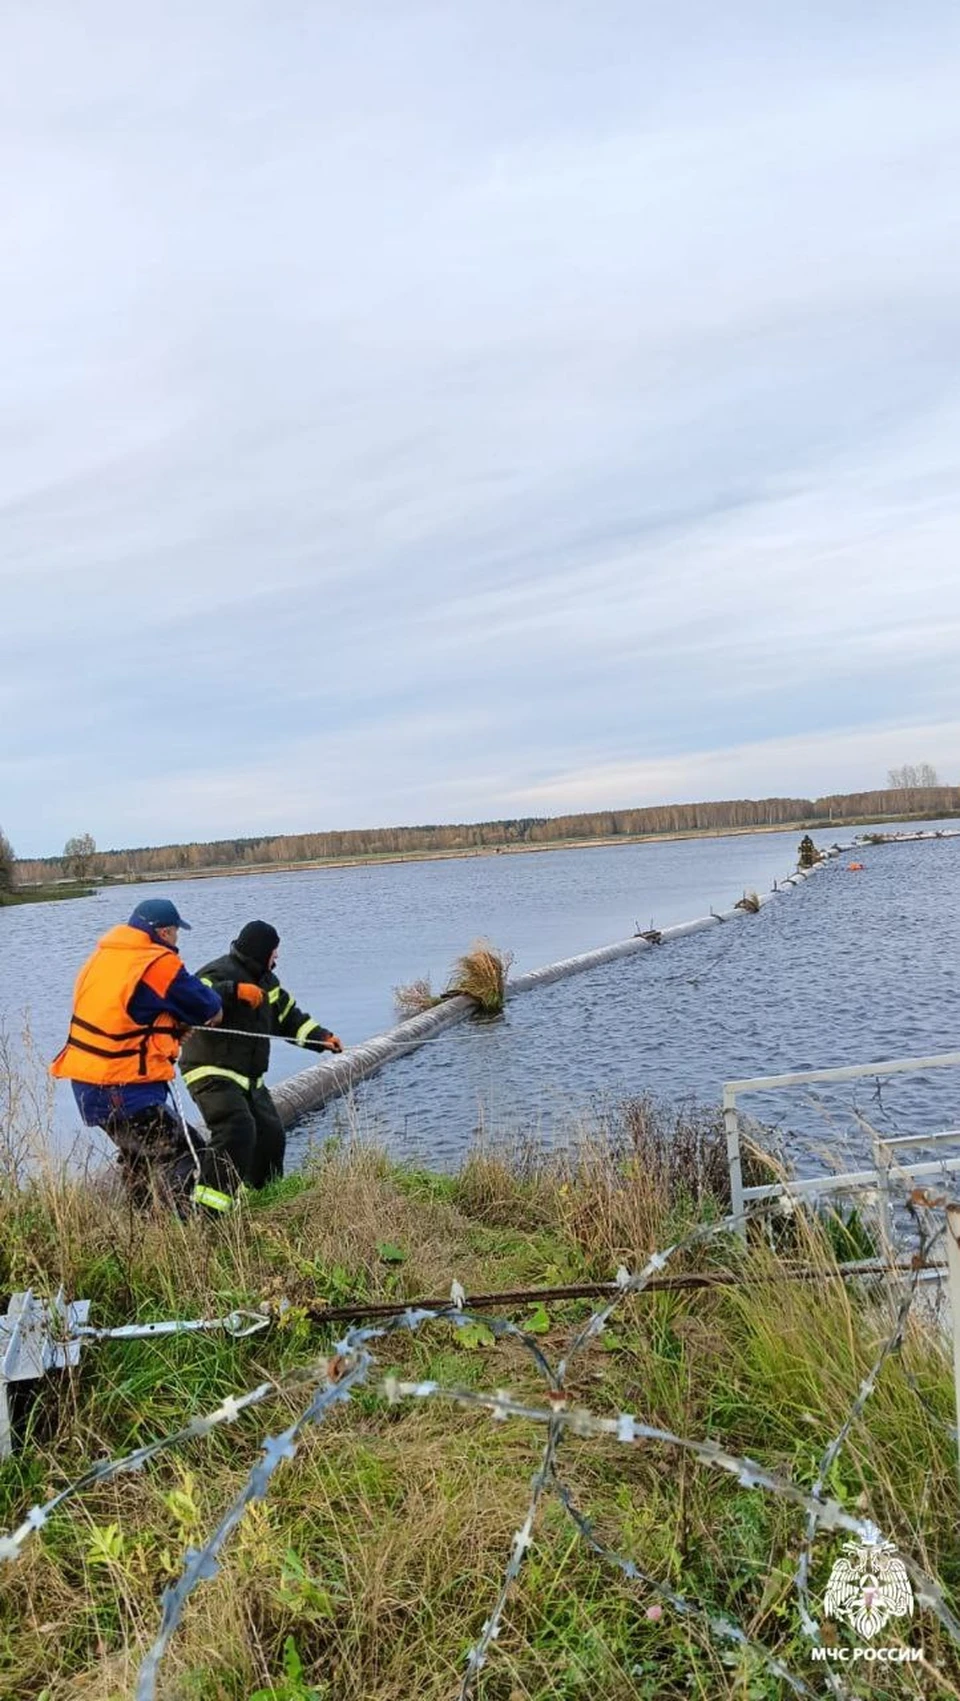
(481, 974)
(749, 902)
(413, 999)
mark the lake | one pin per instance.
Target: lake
(847, 968)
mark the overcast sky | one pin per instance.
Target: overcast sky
(427, 412)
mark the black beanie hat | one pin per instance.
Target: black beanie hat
(256, 941)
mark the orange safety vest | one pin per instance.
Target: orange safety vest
(103, 1046)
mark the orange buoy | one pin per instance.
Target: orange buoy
(854, 867)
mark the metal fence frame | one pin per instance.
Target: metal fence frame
(884, 1161)
(886, 1168)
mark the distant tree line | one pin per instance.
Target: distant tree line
(291, 848)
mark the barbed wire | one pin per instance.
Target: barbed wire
(625, 1428)
(948, 1429)
(718, 1625)
(832, 1451)
(201, 1563)
(230, 1409)
(334, 1378)
(594, 1326)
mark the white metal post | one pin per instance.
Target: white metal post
(881, 1157)
(732, 1125)
(953, 1283)
(6, 1428)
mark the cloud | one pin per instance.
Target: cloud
(820, 764)
(397, 422)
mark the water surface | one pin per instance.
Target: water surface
(350, 935)
(847, 968)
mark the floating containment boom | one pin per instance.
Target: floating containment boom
(313, 1088)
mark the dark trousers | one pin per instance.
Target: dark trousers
(247, 1141)
(154, 1155)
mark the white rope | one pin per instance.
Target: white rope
(251, 1033)
(186, 1130)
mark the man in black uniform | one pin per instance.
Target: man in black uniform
(225, 1076)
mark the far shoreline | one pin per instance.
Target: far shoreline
(48, 893)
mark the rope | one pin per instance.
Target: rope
(249, 1034)
(186, 1129)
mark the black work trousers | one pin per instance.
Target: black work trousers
(247, 1141)
(154, 1156)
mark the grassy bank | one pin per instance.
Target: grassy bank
(45, 894)
(378, 1554)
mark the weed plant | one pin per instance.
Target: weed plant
(480, 974)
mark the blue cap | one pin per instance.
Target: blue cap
(158, 912)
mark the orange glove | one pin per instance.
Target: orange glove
(331, 1043)
(249, 994)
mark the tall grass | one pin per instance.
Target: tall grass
(371, 1567)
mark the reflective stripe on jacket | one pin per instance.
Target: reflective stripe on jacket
(242, 1054)
(105, 1046)
(210, 1072)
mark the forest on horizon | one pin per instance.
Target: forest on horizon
(285, 849)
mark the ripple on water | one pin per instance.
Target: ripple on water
(846, 969)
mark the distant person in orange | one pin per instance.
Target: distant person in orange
(133, 1002)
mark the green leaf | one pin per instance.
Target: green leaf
(301, 1593)
(390, 1253)
(292, 1663)
(538, 1322)
(181, 1503)
(105, 1544)
(836, 1483)
(292, 1687)
(475, 1335)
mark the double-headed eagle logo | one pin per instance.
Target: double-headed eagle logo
(869, 1588)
